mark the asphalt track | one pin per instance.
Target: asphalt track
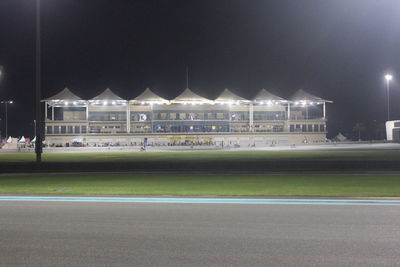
(81, 233)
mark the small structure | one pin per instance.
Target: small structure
(393, 131)
(340, 138)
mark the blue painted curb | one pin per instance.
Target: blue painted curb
(205, 200)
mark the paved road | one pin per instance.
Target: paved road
(154, 234)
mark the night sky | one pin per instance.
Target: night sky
(338, 50)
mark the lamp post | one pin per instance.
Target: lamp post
(38, 113)
(34, 128)
(6, 103)
(388, 78)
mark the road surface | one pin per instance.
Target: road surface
(43, 233)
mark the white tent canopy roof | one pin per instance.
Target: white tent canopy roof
(149, 96)
(189, 96)
(107, 95)
(302, 95)
(64, 95)
(265, 95)
(228, 96)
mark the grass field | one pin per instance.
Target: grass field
(223, 185)
(243, 161)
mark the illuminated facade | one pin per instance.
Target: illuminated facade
(188, 119)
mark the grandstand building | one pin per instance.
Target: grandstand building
(188, 119)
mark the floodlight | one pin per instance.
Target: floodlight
(388, 77)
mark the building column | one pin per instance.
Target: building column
(251, 118)
(324, 110)
(87, 119)
(152, 117)
(52, 113)
(230, 119)
(45, 111)
(288, 111)
(128, 118)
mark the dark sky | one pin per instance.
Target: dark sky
(335, 49)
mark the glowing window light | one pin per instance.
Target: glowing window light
(114, 102)
(66, 103)
(105, 103)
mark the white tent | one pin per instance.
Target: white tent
(9, 140)
(33, 140)
(22, 140)
(340, 137)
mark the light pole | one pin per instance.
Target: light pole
(38, 113)
(6, 103)
(388, 78)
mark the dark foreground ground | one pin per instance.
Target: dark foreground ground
(127, 234)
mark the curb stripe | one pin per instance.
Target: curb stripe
(205, 200)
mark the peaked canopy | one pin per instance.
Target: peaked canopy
(302, 95)
(64, 95)
(228, 96)
(149, 96)
(107, 95)
(266, 96)
(189, 96)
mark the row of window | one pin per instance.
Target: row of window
(168, 127)
(63, 129)
(233, 116)
(307, 128)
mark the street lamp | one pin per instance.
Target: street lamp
(388, 78)
(38, 113)
(5, 103)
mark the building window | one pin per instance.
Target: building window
(77, 129)
(315, 127)
(70, 129)
(277, 128)
(49, 129)
(309, 128)
(63, 129)
(322, 128)
(182, 116)
(83, 129)
(220, 116)
(304, 128)
(56, 129)
(291, 128)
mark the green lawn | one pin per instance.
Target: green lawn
(187, 156)
(223, 185)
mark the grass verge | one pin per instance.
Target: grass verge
(221, 185)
